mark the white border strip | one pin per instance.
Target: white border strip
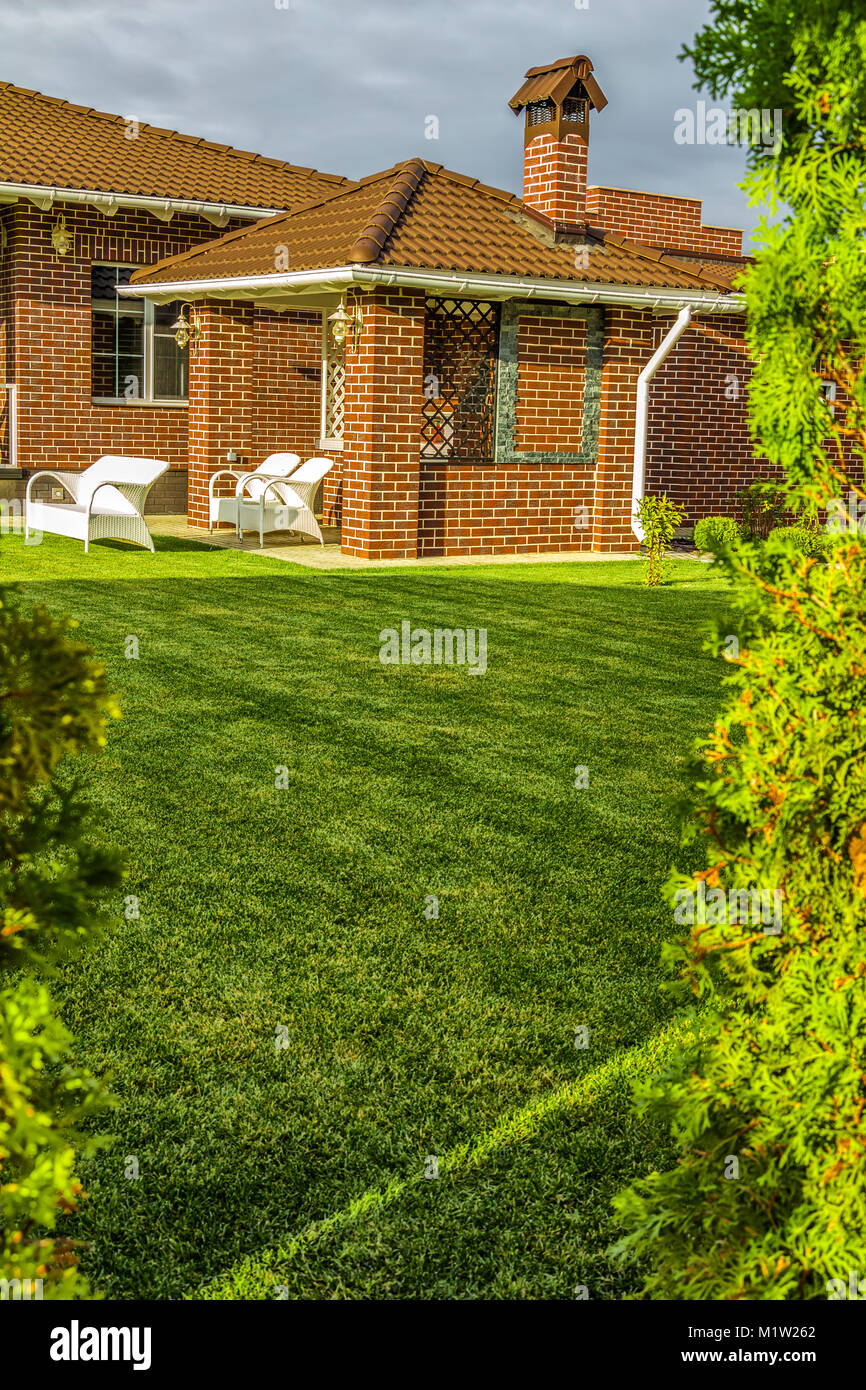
(660, 299)
(44, 197)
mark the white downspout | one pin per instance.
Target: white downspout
(668, 343)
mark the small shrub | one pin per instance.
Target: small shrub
(659, 517)
(803, 537)
(762, 509)
(713, 532)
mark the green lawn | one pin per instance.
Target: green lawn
(303, 908)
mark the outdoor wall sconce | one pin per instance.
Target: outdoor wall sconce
(187, 328)
(342, 323)
(61, 237)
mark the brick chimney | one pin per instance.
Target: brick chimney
(557, 99)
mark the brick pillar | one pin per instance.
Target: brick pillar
(554, 177)
(220, 397)
(381, 428)
(627, 349)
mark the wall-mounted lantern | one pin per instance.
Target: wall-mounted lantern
(343, 323)
(187, 328)
(61, 237)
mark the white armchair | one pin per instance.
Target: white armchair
(107, 501)
(224, 508)
(282, 506)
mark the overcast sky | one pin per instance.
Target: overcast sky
(346, 85)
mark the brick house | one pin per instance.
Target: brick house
(471, 360)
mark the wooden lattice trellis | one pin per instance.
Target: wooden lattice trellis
(334, 403)
(460, 344)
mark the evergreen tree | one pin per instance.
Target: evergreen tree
(768, 1199)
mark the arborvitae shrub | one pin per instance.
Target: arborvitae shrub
(768, 1199)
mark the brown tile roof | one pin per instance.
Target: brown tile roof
(49, 142)
(421, 216)
(727, 268)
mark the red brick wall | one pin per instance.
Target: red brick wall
(554, 177)
(699, 450)
(287, 383)
(59, 426)
(220, 397)
(510, 509)
(393, 504)
(659, 220)
(698, 446)
(7, 359)
(551, 370)
(254, 388)
(627, 349)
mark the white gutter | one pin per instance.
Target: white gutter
(491, 286)
(108, 203)
(666, 346)
(12, 423)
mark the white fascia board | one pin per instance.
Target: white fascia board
(657, 299)
(44, 198)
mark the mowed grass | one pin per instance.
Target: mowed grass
(298, 914)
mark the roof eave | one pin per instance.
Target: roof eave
(44, 197)
(658, 299)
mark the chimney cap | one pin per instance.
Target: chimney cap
(555, 82)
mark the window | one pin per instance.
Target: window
(134, 356)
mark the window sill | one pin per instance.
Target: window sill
(136, 401)
(334, 446)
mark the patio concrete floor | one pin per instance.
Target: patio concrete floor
(300, 551)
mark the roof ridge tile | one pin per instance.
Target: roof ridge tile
(373, 237)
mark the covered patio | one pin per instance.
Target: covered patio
(471, 370)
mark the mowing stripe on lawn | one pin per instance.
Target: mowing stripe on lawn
(250, 1277)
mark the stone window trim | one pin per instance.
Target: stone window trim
(513, 310)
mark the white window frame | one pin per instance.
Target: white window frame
(145, 398)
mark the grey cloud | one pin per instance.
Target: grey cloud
(346, 87)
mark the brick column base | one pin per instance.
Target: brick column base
(382, 428)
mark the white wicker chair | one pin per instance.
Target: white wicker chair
(282, 506)
(107, 501)
(225, 508)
